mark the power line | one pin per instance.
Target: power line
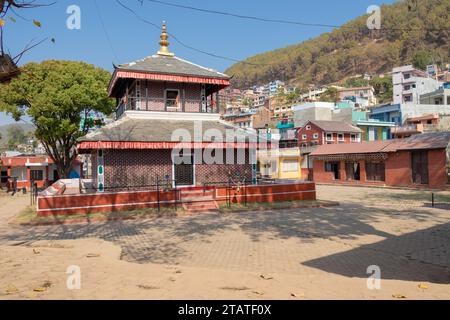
(181, 42)
(244, 16)
(104, 30)
(281, 21)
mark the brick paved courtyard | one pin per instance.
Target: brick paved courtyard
(394, 229)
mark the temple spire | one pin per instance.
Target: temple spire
(164, 49)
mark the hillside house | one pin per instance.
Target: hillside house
(320, 132)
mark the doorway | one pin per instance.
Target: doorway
(419, 166)
(352, 170)
(184, 170)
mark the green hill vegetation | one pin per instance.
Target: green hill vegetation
(412, 32)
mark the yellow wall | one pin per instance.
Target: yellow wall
(277, 172)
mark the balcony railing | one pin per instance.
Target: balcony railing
(162, 105)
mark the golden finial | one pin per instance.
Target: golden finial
(164, 49)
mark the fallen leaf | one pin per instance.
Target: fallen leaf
(235, 288)
(258, 292)
(92, 255)
(2, 22)
(399, 296)
(265, 277)
(47, 284)
(11, 289)
(178, 271)
(37, 23)
(35, 251)
(147, 287)
(12, 19)
(297, 295)
(423, 286)
(39, 289)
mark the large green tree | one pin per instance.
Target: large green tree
(57, 95)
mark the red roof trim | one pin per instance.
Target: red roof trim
(86, 145)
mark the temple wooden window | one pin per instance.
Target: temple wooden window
(375, 171)
(172, 99)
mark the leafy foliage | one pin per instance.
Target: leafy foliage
(330, 95)
(57, 95)
(354, 49)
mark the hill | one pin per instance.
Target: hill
(411, 31)
(5, 128)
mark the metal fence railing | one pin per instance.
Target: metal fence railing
(159, 185)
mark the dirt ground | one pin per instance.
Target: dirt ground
(316, 253)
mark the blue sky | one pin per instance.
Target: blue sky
(132, 39)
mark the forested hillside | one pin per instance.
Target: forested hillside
(411, 30)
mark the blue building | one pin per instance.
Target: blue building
(387, 113)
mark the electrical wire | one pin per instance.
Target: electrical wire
(108, 39)
(183, 43)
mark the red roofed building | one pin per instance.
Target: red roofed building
(421, 160)
(27, 168)
(320, 132)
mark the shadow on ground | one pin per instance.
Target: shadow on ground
(160, 240)
(422, 255)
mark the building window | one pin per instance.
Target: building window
(375, 171)
(303, 136)
(334, 167)
(329, 137)
(340, 137)
(406, 76)
(407, 98)
(353, 137)
(290, 166)
(172, 98)
(308, 127)
(407, 87)
(303, 145)
(36, 175)
(316, 136)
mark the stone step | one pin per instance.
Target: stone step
(200, 206)
(197, 192)
(196, 198)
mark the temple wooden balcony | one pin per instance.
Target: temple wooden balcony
(165, 105)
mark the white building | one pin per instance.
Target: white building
(440, 96)
(312, 111)
(409, 83)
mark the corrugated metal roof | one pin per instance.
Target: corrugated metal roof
(435, 140)
(171, 65)
(335, 126)
(158, 130)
